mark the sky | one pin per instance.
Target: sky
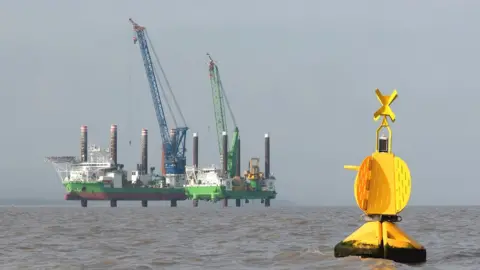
(303, 71)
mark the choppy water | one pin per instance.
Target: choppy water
(211, 237)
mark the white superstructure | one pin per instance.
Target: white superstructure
(98, 168)
(209, 176)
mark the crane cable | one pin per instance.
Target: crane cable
(218, 80)
(226, 101)
(169, 87)
(129, 90)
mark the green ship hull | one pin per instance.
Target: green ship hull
(205, 193)
(251, 195)
(215, 193)
(99, 191)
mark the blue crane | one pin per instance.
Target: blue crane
(173, 140)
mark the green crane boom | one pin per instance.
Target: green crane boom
(219, 101)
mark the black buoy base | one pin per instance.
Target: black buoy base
(113, 203)
(195, 203)
(381, 239)
(238, 202)
(400, 255)
(83, 203)
(173, 203)
(144, 203)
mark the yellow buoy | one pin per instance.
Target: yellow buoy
(403, 184)
(382, 190)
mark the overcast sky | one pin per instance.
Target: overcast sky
(305, 71)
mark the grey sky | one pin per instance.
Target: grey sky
(305, 71)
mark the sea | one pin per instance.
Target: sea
(62, 235)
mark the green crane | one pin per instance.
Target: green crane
(219, 101)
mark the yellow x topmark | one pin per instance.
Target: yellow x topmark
(385, 110)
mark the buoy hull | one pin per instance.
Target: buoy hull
(381, 240)
(401, 255)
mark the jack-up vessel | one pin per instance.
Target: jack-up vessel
(96, 175)
(214, 184)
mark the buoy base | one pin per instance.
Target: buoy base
(381, 239)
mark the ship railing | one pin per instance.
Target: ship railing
(83, 180)
(203, 184)
(61, 159)
(94, 148)
(191, 174)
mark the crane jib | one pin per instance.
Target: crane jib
(152, 81)
(173, 140)
(219, 100)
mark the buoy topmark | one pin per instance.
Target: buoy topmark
(382, 190)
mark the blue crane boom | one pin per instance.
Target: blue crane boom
(173, 140)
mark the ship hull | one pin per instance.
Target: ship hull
(215, 193)
(97, 191)
(251, 195)
(125, 196)
(207, 193)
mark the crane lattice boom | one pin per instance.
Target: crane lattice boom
(173, 140)
(219, 101)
